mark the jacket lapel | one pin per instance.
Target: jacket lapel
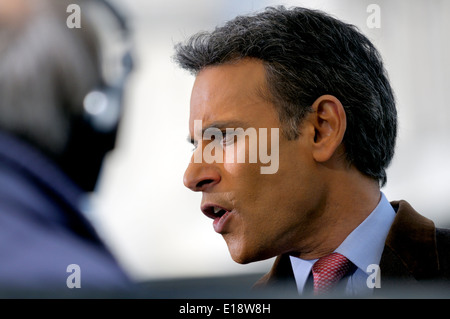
(410, 252)
(280, 276)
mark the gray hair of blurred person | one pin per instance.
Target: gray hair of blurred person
(48, 72)
(46, 69)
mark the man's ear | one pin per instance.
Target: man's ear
(330, 123)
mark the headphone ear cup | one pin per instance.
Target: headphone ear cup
(102, 109)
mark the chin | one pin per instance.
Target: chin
(238, 255)
(244, 256)
(241, 260)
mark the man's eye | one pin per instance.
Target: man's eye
(227, 139)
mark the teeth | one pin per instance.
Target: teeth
(217, 210)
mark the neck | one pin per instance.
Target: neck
(348, 202)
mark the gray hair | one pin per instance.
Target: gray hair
(46, 69)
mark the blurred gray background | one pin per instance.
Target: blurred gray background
(154, 224)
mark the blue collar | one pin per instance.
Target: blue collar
(363, 246)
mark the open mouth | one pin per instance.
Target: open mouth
(214, 212)
(219, 214)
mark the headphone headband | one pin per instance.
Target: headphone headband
(103, 105)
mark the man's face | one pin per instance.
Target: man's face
(259, 215)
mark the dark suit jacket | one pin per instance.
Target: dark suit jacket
(415, 260)
(42, 230)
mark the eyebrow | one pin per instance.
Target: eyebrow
(220, 125)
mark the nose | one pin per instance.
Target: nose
(200, 177)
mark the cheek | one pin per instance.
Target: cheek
(243, 177)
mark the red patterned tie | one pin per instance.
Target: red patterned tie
(328, 270)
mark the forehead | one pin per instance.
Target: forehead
(235, 89)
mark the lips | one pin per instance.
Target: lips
(219, 214)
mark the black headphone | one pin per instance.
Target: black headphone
(93, 133)
(102, 106)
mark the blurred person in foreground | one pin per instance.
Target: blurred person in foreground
(59, 115)
(322, 83)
